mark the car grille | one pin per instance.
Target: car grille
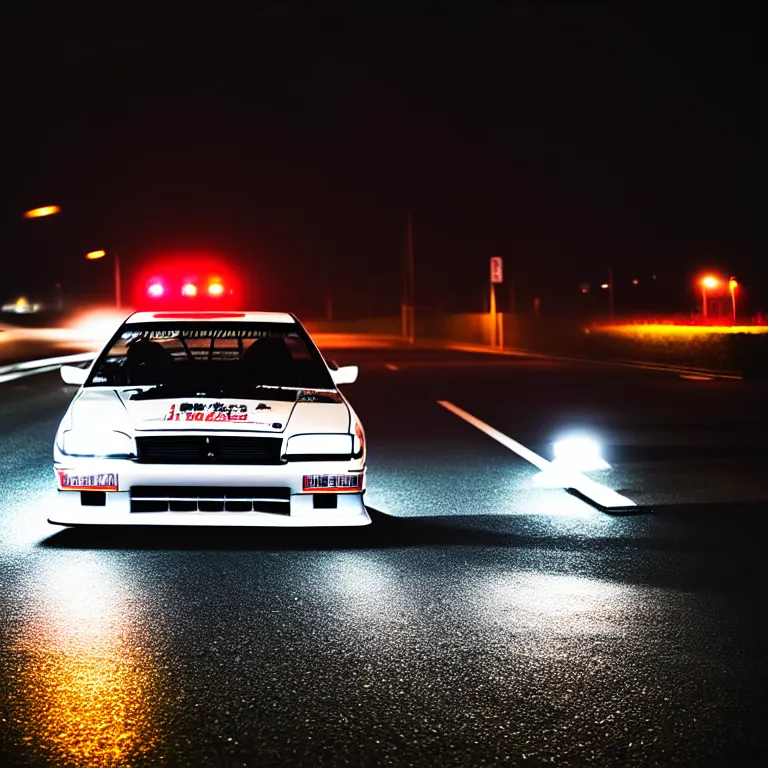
(185, 498)
(209, 450)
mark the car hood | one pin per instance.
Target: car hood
(113, 409)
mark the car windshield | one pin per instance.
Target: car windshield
(211, 356)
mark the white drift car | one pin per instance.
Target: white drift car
(210, 418)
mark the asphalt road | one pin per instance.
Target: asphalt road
(485, 617)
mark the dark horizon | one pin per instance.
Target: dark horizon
(563, 138)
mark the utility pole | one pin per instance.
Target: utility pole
(118, 291)
(610, 295)
(407, 308)
(328, 290)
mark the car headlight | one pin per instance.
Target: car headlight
(316, 447)
(93, 442)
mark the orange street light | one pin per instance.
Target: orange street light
(710, 281)
(93, 255)
(732, 286)
(46, 210)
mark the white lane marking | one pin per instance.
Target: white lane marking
(602, 496)
(696, 377)
(391, 367)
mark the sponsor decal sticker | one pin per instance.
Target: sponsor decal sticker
(209, 412)
(212, 412)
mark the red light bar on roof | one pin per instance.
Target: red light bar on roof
(196, 315)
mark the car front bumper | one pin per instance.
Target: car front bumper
(298, 508)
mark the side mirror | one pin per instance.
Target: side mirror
(71, 374)
(347, 374)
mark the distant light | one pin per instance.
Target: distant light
(95, 255)
(156, 289)
(46, 210)
(670, 330)
(216, 289)
(635, 281)
(189, 289)
(710, 281)
(21, 306)
(604, 286)
(580, 453)
(733, 284)
(96, 326)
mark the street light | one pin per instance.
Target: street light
(93, 255)
(732, 286)
(46, 210)
(39, 213)
(707, 282)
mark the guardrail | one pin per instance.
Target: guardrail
(30, 367)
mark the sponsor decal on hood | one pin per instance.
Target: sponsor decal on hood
(117, 408)
(208, 413)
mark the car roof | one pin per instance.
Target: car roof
(191, 316)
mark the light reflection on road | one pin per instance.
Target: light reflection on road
(556, 605)
(362, 591)
(88, 685)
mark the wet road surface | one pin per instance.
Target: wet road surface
(483, 619)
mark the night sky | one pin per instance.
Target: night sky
(292, 140)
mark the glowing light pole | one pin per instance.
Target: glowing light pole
(39, 213)
(93, 255)
(732, 286)
(707, 282)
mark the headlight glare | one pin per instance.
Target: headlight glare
(326, 445)
(86, 442)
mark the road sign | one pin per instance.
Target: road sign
(496, 270)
